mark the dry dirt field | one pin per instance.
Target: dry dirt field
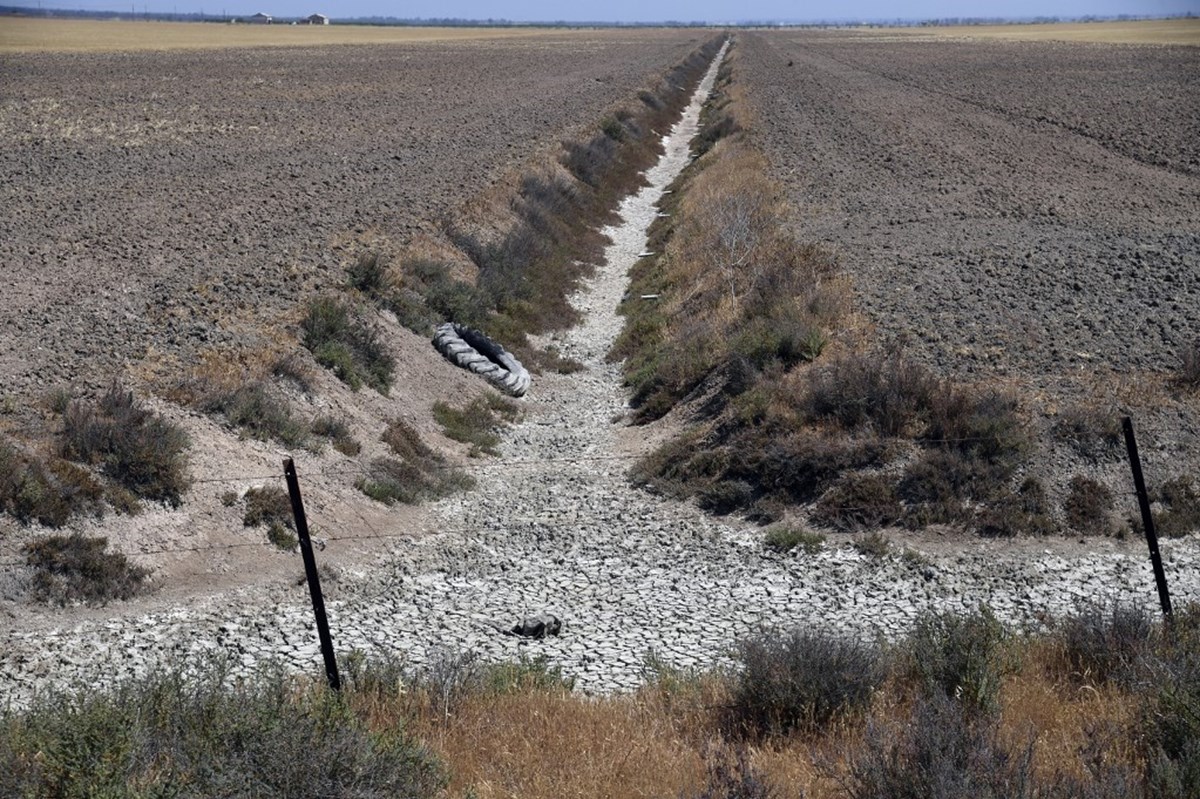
(164, 206)
(28, 34)
(1168, 31)
(1027, 212)
(175, 200)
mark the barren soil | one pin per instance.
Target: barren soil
(158, 206)
(1021, 212)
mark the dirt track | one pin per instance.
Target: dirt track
(1022, 211)
(184, 200)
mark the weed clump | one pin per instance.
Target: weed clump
(76, 568)
(342, 339)
(130, 444)
(270, 506)
(477, 422)
(942, 752)
(962, 657)
(800, 680)
(1088, 506)
(1105, 643)
(785, 539)
(48, 492)
(417, 473)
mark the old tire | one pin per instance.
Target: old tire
(472, 350)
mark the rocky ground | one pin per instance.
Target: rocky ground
(554, 526)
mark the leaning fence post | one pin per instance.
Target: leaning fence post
(1139, 484)
(310, 570)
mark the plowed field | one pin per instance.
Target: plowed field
(1028, 211)
(158, 203)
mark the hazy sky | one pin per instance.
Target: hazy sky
(648, 10)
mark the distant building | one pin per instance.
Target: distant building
(259, 19)
(316, 19)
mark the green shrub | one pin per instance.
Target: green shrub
(341, 338)
(390, 480)
(49, 493)
(785, 539)
(962, 656)
(132, 445)
(477, 422)
(74, 568)
(1088, 506)
(255, 410)
(800, 680)
(198, 732)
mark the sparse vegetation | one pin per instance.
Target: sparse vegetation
(961, 657)
(343, 339)
(271, 507)
(48, 492)
(197, 732)
(1088, 506)
(75, 568)
(477, 422)
(786, 538)
(800, 680)
(130, 444)
(418, 473)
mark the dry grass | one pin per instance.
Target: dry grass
(651, 744)
(556, 745)
(26, 34)
(1159, 31)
